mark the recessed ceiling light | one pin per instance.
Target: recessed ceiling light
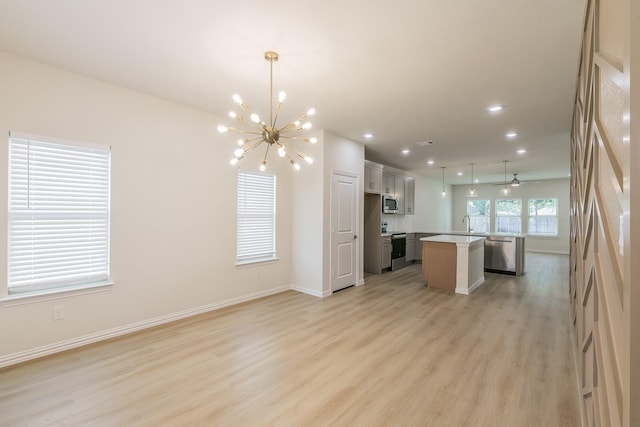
(430, 162)
(368, 135)
(522, 151)
(496, 108)
(460, 174)
(511, 135)
(405, 151)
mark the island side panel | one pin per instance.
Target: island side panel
(474, 264)
(439, 265)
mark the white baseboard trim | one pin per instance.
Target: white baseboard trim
(360, 282)
(23, 356)
(543, 251)
(467, 291)
(311, 292)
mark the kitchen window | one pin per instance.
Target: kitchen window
(479, 212)
(256, 234)
(58, 216)
(543, 217)
(509, 216)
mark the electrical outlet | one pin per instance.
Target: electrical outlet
(58, 312)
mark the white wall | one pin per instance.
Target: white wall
(432, 212)
(346, 156)
(307, 222)
(311, 190)
(558, 188)
(173, 206)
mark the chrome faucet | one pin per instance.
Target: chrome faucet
(468, 219)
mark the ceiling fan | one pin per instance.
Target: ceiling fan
(515, 182)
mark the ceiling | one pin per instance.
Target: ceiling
(409, 71)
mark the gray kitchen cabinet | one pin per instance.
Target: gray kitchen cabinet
(411, 247)
(409, 196)
(388, 184)
(372, 179)
(399, 193)
(385, 250)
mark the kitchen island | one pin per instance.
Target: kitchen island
(503, 252)
(453, 262)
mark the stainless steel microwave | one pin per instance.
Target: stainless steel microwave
(389, 205)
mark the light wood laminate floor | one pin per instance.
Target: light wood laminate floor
(390, 353)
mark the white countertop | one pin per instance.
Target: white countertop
(448, 238)
(464, 233)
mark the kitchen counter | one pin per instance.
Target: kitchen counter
(466, 233)
(504, 252)
(453, 262)
(448, 238)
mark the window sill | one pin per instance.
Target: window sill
(542, 236)
(31, 297)
(257, 261)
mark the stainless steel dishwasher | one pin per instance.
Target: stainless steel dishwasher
(504, 255)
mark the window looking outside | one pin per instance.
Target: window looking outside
(479, 212)
(508, 216)
(58, 218)
(256, 235)
(543, 217)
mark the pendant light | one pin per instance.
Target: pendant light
(472, 191)
(505, 191)
(515, 181)
(444, 193)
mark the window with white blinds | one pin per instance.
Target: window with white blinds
(58, 215)
(256, 217)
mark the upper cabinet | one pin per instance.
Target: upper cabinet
(372, 178)
(399, 193)
(388, 184)
(409, 196)
(403, 188)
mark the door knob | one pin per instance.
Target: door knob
(355, 236)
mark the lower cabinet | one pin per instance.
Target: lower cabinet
(385, 252)
(410, 255)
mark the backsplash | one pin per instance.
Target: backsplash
(397, 222)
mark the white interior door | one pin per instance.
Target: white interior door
(344, 226)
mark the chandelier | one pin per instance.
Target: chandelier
(258, 132)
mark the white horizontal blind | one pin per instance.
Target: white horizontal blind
(58, 214)
(256, 216)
